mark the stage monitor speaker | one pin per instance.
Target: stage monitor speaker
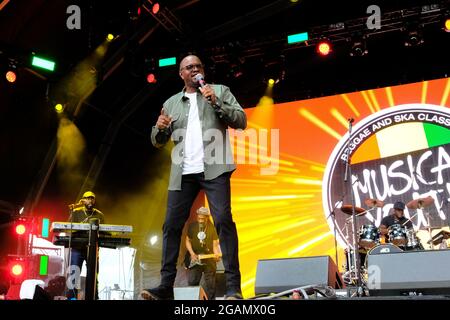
(277, 275)
(409, 273)
(189, 293)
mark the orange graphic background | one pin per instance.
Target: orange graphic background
(281, 215)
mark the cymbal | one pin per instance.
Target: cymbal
(420, 203)
(374, 203)
(348, 209)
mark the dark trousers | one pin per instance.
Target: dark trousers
(208, 271)
(77, 257)
(178, 209)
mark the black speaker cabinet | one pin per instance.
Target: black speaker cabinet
(409, 273)
(277, 275)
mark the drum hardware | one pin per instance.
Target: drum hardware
(423, 203)
(420, 203)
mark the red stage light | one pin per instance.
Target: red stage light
(155, 8)
(151, 78)
(16, 269)
(324, 48)
(21, 229)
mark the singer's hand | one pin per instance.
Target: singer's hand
(209, 94)
(163, 121)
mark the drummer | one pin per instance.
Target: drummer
(396, 218)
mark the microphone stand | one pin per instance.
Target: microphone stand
(333, 214)
(348, 172)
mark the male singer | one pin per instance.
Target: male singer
(197, 119)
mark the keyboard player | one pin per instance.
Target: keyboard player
(81, 212)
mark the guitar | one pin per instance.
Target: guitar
(189, 263)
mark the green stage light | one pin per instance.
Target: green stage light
(45, 227)
(298, 37)
(43, 266)
(167, 62)
(43, 63)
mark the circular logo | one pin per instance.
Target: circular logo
(398, 154)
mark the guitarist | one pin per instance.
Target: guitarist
(202, 239)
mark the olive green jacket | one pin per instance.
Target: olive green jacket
(214, 120)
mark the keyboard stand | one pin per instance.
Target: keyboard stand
(92, 260)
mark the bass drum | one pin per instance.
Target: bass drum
(384, 248)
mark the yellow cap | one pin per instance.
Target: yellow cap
(88, 194)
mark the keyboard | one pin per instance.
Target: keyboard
(106, 242)
(67, 227)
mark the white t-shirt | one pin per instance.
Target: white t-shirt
(193, 146)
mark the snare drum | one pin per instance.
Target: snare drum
(397, 234)
(368, 236)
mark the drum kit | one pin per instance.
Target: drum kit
(399, 236)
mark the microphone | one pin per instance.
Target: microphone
(351, 120)
(201, 81)
(76, 205)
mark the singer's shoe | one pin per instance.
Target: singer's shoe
(233, 296)
(158, 293)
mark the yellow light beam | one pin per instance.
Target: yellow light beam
(350, 104)
(310, 243)
(304, 181)
(339, 117)
(367, 99)
(313, 231)
(322, 125)
(390, 96)
(265, 181)
(317, 168)
(293, 225)
(446, 92)
(258, 222)
(271, 198)
(374, 100)
(289, 170)
(424, 92)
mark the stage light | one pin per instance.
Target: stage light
(358, 49)
(153, 240)
(271, 82)
(59, 108)
(155, 8)
(414, 38)
(298, 37)
(16, 269)
(21, 229)
(45, 225)
(447, 25)
(151, 78)
(323, 48)
(43, 265)
(43, 63)
(110, 37)
(167, 62)
(11, 76)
